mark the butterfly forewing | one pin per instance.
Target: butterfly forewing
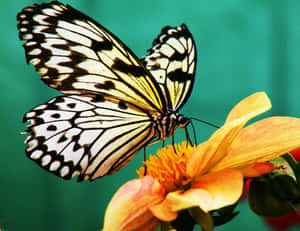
(84, 136)
(172, 62)
(76, 55)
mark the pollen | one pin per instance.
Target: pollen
(169, 166)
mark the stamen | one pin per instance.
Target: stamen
(169, 166)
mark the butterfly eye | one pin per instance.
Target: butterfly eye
(183, 121)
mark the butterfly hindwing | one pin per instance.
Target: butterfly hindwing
(172, 62)
(85, 136)
(76, 55)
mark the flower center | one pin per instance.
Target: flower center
(169, 166)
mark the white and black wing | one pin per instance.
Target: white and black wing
(84, 136)
(172, 62)
(76, 55)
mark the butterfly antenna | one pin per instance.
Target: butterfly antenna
(194, 130)
(145, 158)
(205, 122)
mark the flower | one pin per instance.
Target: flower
(209, 176)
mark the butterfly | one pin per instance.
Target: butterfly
(114, 103)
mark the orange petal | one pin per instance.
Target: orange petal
(262, 141)
(163, 211)
(208, 154)
(150, 225)
(255, 104)
(258, 169)
(129, 207)
(225, 188)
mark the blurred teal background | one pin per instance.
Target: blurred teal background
(244, 46)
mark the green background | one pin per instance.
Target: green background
(244, 46)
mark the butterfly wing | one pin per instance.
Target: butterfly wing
(76, 55)
(84, 136)
(172, 62)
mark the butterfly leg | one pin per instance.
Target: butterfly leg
(173, 139)
(153, 142)
(145, 158)
(189, 141)
(194, 131)
(173, 143)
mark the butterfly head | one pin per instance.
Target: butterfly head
(182, 121)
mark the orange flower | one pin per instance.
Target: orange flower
(209, 176)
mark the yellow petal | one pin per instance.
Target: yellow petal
(179, 200)
(208, 154)
(255, 104)
(198, 160)
(209, 192)
(225, 187)
(262, 141)
(129, 208)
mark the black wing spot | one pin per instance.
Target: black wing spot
(71, 105)
(75, 138)
(62, 139)
(98, 98)
(51, 128)
(179, 76)
(107, 85)
(55, 115)
(99, 46)
(178, 57)
(156, 66)
(128, 69)
(76, 147)
(122, 105)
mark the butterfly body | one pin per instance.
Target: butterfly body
(167, 124)
(114, 103)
